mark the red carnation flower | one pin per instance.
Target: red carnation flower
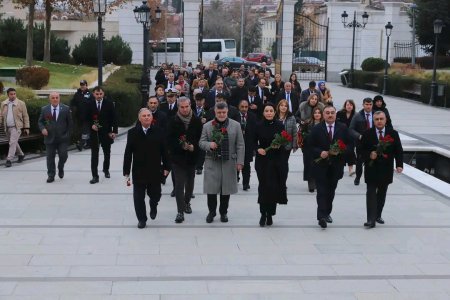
(214, 123)
(95, 117)
(224, 130)
(341, 145)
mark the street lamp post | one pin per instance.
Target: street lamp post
(388, 28)
(354, 24)
(99, 11)
(437, 31)
(143, 16)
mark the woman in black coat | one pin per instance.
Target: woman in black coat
(269, 166)
(317, 117)
(345, 115)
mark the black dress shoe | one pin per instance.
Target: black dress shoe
(21, 158)
(311, 190)
(370, 224)
(172, 194)
(198, 172)
(224, 218)
(79, 146)
(356, 182)
(269, 221)
(192, 196)
(94, 180)
(61, 174)
(8, 164)
(179, 218)
(329, 219)
(107, 175)
(262, 220)
(210, 217)
(188, 208)
(50, 179)
(246, 187)
(380, 220)
(323, 223)
(153, 212)
(142, 224)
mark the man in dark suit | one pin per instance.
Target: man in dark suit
(290, 97)
(330, 168)
(264, 68)
(255, 102)
(200, 111)
(233, 112)
(252, 79)
(238, 93)
(361, 122)
(248, 126)
(216, 90)
(103, 124)
(145, 150)
(159, 117)
(262, 91)
(211, 74)
(311, 90)
(170, 106)
(55, 123)
(378, 172)
(170, 83)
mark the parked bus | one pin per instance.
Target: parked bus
(172, 51)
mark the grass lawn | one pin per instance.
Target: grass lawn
(62, 76)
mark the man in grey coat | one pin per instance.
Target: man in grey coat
(223, 142)
(55, 123)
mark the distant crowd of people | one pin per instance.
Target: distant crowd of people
(216, 121)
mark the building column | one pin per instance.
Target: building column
(287, 39)
(190, 30)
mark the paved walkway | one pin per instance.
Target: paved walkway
(73, 240)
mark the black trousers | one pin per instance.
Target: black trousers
(223, 207)
(326, 189)
(268, 209)
(200, 160)
(95, 147)
(184, 184)
(375, 199)
(51, 150)
(153, 191)
(246, 170)
(359, 163)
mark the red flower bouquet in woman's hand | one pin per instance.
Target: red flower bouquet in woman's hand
(382, 145)
(336, 149)
(280, 140)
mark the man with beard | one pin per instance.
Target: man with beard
(224, 156)
(183, 134)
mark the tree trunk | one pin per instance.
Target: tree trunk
(29, 55)
(47, 31)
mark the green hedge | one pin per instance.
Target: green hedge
(125, 94)
(426, 62)
(398, 84)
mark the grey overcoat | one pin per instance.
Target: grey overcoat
(220, 177)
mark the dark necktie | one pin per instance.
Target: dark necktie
(54, 114)
(380, 136)
(251, 99)
(99, 106)
(330, 132)
(367, 121)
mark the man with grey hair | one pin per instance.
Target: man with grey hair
(144, 152)
(55, 123)
(223, 142)
(183, 134)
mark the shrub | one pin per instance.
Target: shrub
(372, 64)
(86, 51)
(2, 87)
(13, 37)
(426, 62)
(126, 96)
(115, 51)
(34, 77)
(59, 49)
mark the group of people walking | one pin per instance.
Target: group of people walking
(220, 131)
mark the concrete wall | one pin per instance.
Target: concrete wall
(369, 42)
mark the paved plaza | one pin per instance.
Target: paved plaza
(74, 240)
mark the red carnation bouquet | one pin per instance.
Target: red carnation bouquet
(96, 121)
(280, 140)
(218, 134)
(336, 149)
(382, 145)
(48, 119)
